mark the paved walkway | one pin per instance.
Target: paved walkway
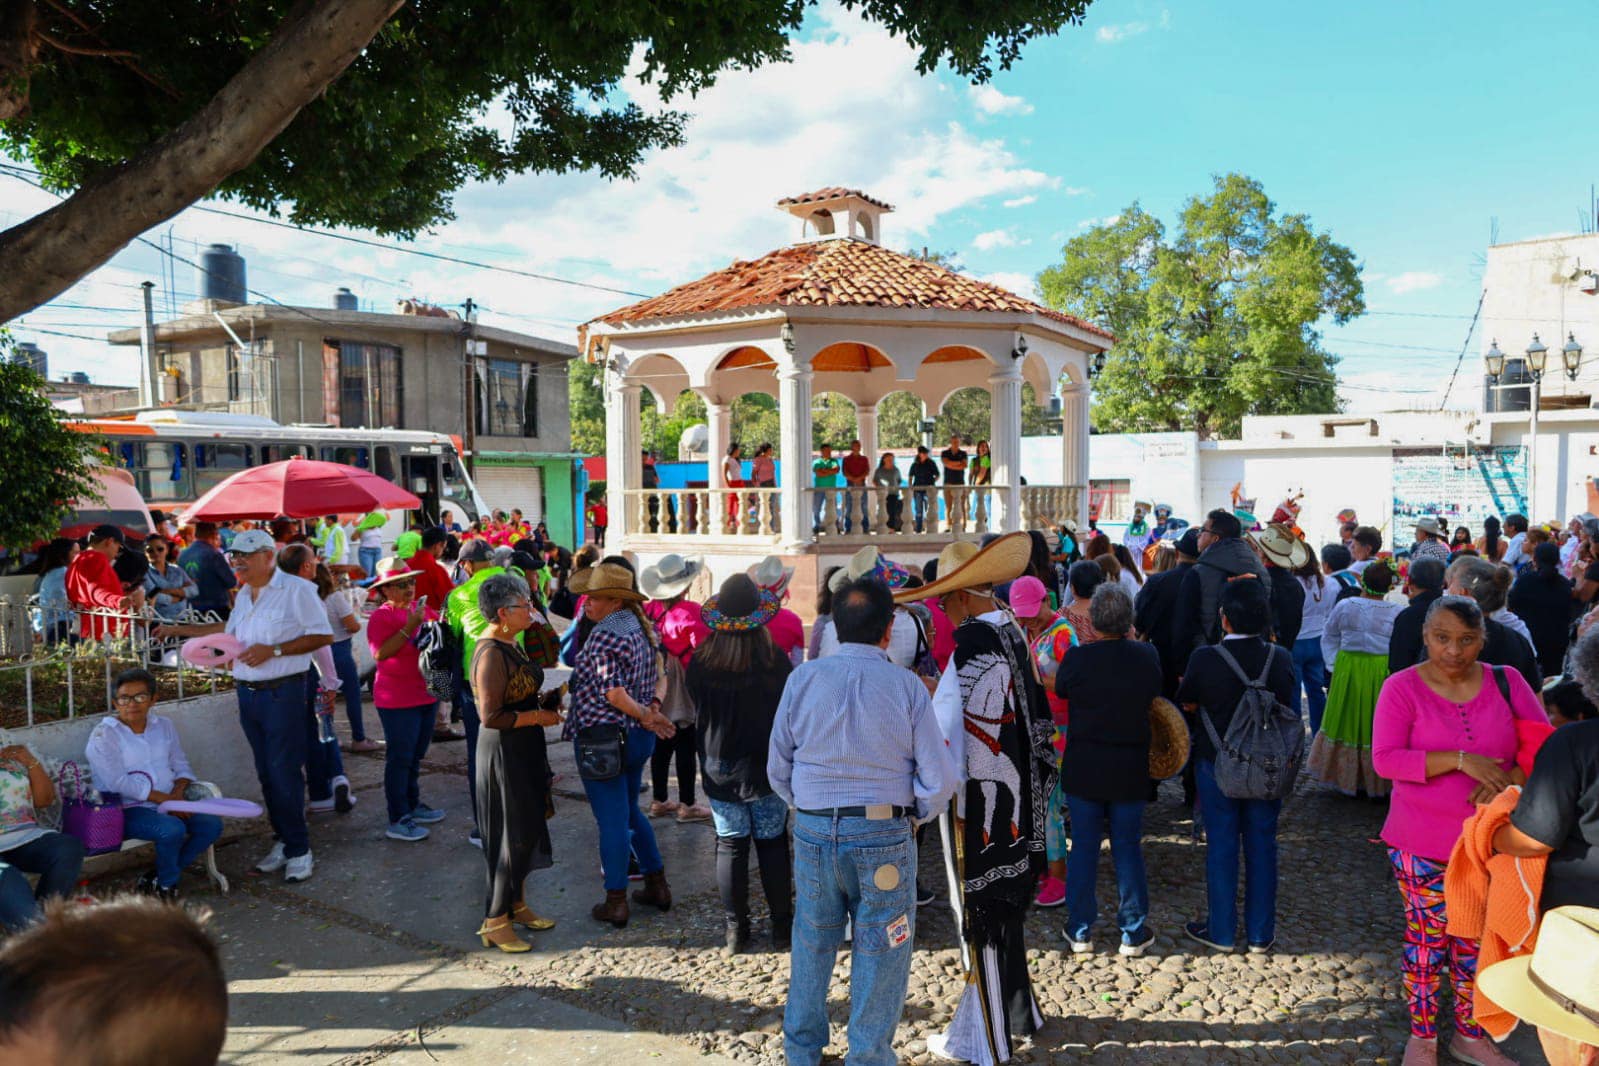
(374, 959)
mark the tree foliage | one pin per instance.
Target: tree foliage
(1218, 319)
(389, 107)
(47, 464)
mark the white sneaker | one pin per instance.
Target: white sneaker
(272, 861)
(299, 869)
(320, 806)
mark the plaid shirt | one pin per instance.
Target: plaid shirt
(617, 652)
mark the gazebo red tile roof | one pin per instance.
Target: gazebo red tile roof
(833, 192)
(835, 273)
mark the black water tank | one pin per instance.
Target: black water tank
(26, 353)
(1514, 391)
(221, 275)
(78, 377)
(345, 300)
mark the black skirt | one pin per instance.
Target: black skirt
(513, 791)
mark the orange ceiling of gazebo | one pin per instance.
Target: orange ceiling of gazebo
(953, 354)
(747, 356)
(849, 358)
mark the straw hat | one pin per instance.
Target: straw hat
(1557, 986)
(771, 574)
(740, 606)
(1278, 543)
(869, 562)
(392, 569)
(963, 565)
(1431, 525)
(1168, 740)
(671, 575)
(606, 579)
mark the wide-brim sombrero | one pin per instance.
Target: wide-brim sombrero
(1168, 740)
(963, 565)
(711, 614)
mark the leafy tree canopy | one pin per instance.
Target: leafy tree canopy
(1216, 320)
(47, 464)
(371, 113)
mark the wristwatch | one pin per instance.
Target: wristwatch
(277, 651)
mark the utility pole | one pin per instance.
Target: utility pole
(469, 355)
(149, 380)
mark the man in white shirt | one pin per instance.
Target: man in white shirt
(1515, 547)
(280, 622)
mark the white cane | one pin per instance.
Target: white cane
(946, 834)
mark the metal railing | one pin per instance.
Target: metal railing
(57, 663)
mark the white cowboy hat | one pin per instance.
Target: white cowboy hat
(1557, 986)
(1278, 543)
(1431, 525)
(771, 575)
(963, 565)
(671, 575)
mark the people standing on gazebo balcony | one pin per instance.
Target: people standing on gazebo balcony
(887, 476)
(763, 475)
(857, 468)
(733, 478)
(982, 474)
(824, 473)
(954, 459)
(923, 472)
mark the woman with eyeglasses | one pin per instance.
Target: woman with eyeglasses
(138, 756)
(405, 706)
(167, 586)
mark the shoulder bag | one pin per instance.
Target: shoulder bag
(601, 752)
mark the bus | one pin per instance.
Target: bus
(176, 457)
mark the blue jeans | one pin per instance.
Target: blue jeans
(369, 562)
(323, 761)
(58, 860)
(407, 731)
(177, 842)
(1125, 821)
(919, 508)
(616, 811)
(350, 686)
(1310, 673)
(855, 498)
(839, 867)
(471, 723)
(763, 819)
(818, 501)
(274, 722)
(1226, 822)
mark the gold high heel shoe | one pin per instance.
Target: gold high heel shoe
(523, 915)
(497, 932)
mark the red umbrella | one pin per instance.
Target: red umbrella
(299, 488)
(113, 501)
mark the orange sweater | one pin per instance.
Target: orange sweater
(1493, 898)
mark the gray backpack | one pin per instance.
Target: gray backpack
(1260, 756)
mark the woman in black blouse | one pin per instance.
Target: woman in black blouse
(1105, 769)
(736, 679)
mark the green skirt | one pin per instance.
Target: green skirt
(1341, 753)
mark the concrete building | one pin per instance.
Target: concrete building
(407, 370)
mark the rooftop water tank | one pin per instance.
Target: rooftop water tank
(221, 275)
(78, 377)
(26, 353)
(1513, 391)
(345, 300)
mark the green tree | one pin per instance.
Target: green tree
(47, 464)
(371, 113)
(1215, 322)
(587, 400)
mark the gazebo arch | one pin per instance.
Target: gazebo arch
(838, 311)
(662, 376)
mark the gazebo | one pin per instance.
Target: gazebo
(839, 312)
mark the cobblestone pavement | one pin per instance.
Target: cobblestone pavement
(374, 958)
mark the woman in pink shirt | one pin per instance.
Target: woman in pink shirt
(1445, 734)
(405, 707)
(678, 621)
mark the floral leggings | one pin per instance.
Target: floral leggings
(1429, 949)
(1055, 834)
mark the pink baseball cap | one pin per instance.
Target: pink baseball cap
(1027, 595)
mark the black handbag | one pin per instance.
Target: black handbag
(601, 751)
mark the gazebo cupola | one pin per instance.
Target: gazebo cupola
(837, 212)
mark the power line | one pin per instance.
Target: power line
(1471, 329)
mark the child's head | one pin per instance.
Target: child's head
(1565, 704)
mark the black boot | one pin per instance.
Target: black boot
(777, 881)
(733, 883)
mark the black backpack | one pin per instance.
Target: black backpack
(1260, 756)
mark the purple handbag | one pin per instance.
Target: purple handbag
(97, 825)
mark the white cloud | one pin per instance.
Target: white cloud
(990, 101)
(1021, 201)
(1019, 283)
(1413, 281)
(1090, 223)
(988, 240)
(1075, 190)
(1118, 32)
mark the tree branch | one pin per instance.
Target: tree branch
(315, 44)
(77, 50)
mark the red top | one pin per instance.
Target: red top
(857, 467)
(432, 580)
(91, 582)
(787, 631)
(601, 514)
(680, 626)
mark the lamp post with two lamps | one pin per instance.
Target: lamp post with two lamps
(1537, 360)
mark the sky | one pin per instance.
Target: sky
(1412, 133)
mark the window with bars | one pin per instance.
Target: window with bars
(508, 398)
(371, 385)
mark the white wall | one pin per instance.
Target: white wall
(1530, 289)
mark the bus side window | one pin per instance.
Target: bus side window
(164, 473)
(214, 463)
(388, 466)
(349, 455)
(274, 453)
(128, 453)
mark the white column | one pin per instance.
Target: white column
(1005, 446)
(718, 424)
(622, 468)
(866, 430)
(794, 414)
(1074, 444)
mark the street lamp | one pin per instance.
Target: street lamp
(1097, 366)
(1537, 358)
(1495, 360)
(1571, 356)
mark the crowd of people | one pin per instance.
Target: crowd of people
(1024, 694)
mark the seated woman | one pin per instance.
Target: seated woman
(138, 756)
(26, 847)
